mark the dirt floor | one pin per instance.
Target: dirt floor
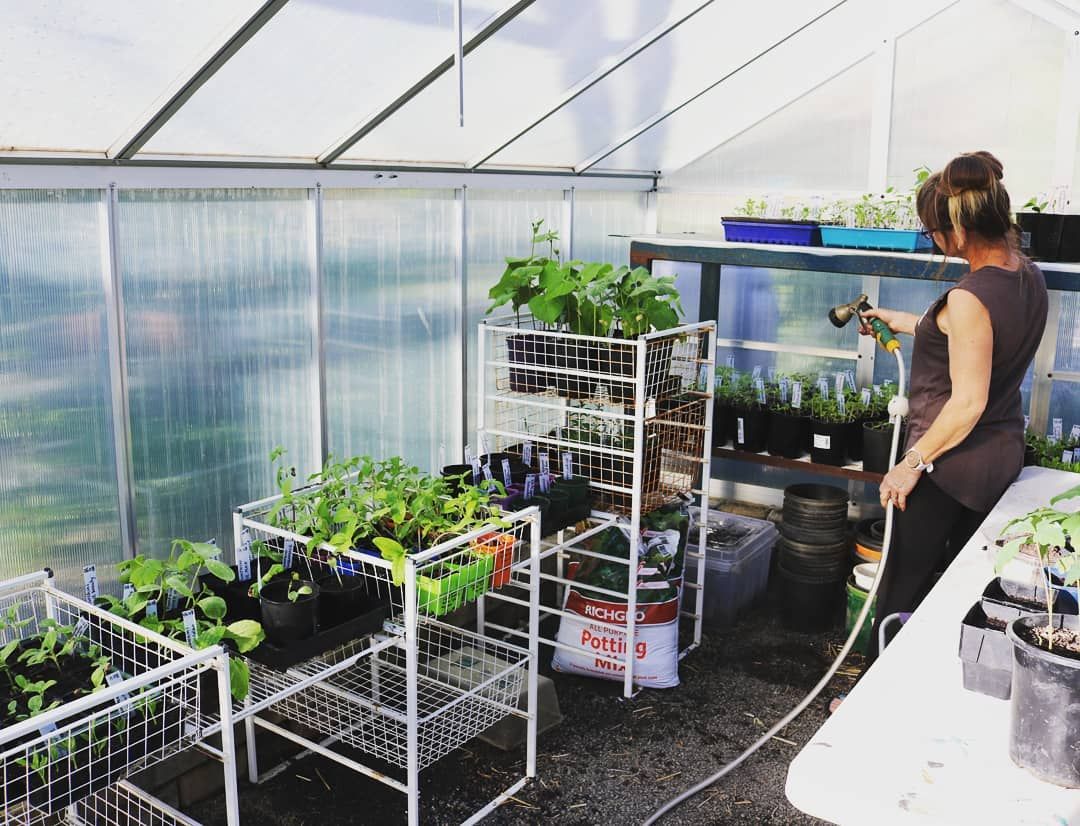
(611, 761)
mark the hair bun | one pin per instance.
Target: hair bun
(972, 171)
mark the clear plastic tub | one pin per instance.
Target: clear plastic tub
(739, 551)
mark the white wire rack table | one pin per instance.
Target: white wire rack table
(633, 416)
(414, 691)
(160, 698)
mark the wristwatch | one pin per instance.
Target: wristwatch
(918, 463)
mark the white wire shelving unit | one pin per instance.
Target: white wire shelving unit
(165, 698)
(419, 688)
(636, 418)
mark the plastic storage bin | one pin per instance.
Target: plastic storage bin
(899, 240)
(772, 231)
(737, 557)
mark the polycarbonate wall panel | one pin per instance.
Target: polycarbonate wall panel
(1018, 61)
(599, 215)
(1067, 350)
(498, 227)
(217, 290)
(58, 494)
(391, 317)
(76, 75)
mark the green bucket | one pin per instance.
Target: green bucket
(856, 598)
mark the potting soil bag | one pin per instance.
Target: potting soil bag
(598, 624)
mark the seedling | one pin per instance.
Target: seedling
(296, 591)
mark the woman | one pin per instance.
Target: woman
(972, 348)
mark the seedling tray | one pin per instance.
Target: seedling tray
(772, 231)
(897, 240)
(282, 659)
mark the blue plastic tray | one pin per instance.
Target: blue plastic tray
(755, 231)
(900, 240)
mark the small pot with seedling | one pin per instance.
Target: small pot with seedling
(724, 390)
(751, 413)
(1046, 652)
(290, 610)
(788, 425)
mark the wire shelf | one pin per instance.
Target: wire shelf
(147, 712)
(466, 683)
(126, 805)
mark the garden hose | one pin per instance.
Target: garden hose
(897, 411)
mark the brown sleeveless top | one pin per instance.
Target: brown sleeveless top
(978, 470)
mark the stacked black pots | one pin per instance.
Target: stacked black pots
(813, 560)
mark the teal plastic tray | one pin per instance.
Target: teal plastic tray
(899, 240)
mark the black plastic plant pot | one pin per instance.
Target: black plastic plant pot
(787, 435)
(556, 517)
(811, 603)
(541, 502)
(579, 497)
(855, 441)
(530, 349)
(341, 599)
(723, 424)
(1003, 609)
(1045, 230)
(582, 356)
(454, 473)
(238, 602)
(1031, 456)
(286, 621)
(876, 444)
(1070, 239)
(751, 428)
(828, 442)
(985, 655)
(1045, 727)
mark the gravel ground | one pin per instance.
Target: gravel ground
(611, 760)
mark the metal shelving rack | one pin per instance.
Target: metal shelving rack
(64, 762)
(636, 418)
(419, 688)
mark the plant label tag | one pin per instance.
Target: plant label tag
(475, 469)
(115, 678)
(757, 372)
(243, 562)
(482, 445)
(1057, 429)
(796, 395)
(1051, 438)
(558, 433)
(841, 403)
(849, 376)
(1074, 434)
(127, 590)
(287, 554)
(507, 475)
(213, 541)
(783, 390)
(1066, 457)
(468, 455)
(703, 377)
(823, 387)
(731, 361)
(81, 629)
(545, 482)
(530, 486)
(840, 381)
(772, 375)
(719, 381)
(877, 389)
(741, 438)
(526, 453)
(172, 600)
(650, 408)
(759, 385)
(191, 630)
(90, 583)
(567, 466)
(151, 608)
(46, 729)
(1027, 422)
(545, 465)
(822, 441)
(865, 396)
(487, 471)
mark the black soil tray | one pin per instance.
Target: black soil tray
(282, 659)
(986, 654)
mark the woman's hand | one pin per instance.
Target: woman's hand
(897, 485)
(896, 320)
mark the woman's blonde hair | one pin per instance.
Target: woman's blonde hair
(967, 195)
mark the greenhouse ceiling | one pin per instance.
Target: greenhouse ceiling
(581, 87)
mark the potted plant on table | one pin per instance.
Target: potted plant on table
(795, 225)
(828, 430)
(788, 426)
(1046, 652)
(751, 412)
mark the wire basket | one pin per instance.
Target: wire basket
(465, 684)
(591, 398)
(126, 805)
(148, 709)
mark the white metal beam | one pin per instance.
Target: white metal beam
(1061, 13)
(372, 122)
(143, 176)
(1068, 120)
(587, 83)
(648, 124)
(881, 114)
(168, 104)
(902, 20)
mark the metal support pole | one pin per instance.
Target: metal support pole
(867, 345)
(461, 273)
(228, 740)
(1042, 383)
(315, 308)
(118, 378)
(459, 62)
(881, 109)
(534, 644)
(411, 701)
(568, 224)
(635, 514)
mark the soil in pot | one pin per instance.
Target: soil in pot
(828, 442)
(787, 435)
(751, 428)
(1045, 727)
(877, 442)
(286, 621)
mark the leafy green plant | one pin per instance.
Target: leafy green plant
(1033, 204)
(295, 590)
(518, 284)
(752, 209)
